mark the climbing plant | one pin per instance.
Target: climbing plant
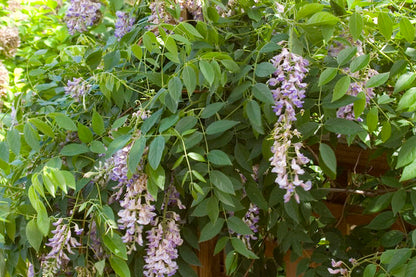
(132, 131)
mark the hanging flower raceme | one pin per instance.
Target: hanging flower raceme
(354, 89)
(81, 14)
(9, 41)
(137, 211)
(77, 88)
(124, 24)
(288, 92)
(194, 7)
(251, 218)
(4, 80)
(61, 243)
(161, 251)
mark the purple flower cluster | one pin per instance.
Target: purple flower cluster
(288, 94)
(77, 88)
(194, 7)
(57, 257)
(141, 113)
(136, 213)
(251, 218)
(337, 268)
(81, 14)
(355, 88)
(123, 25)
(161, 252)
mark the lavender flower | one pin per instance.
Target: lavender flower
(355, 88)
(9, 40)
(194, 7)
(135, 213)
(81, 14)
(57, 257)
(142, 114)
(30, 270)
(337, 268)
(4, 80)
(161, 251)
(123, 25)
(290, 71)
(251, 218)
(77, 88)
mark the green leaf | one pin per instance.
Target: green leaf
(407, 153)
(98, 123)
(97, 147)
(359, 63)
(385, 131)
(31, 137)
(356, 25)
(404, 81)
(212, 109)
(327, 155)
(4, 151)
(231, 65)
(151, 121)
(13, 139)
(398, 201)
(341, 88)
(119, 266)
(346, 55)
(253, 112)
(156, 177)
(377, 80)
(207, 71)
(185, 124)
(264, 69)
(342, 126)
(42, 220)
(111, 59)
(255, 195)
(370, 270)
(238, 226)
(188, 255)
(84, 133)
(119, 122)
(137, 51)
(220, 126)
(382, 221)
(196, 157)
(167, 122)
(359, 105)
(409, 172)
(322, 18)
(241, 248)
(411, 267)
(65, 122)
(156, 151)
(69, 179)
(74, 149)
(262, 92)
(136, 154)
(33, 234)
(218, 157)
(189, 78)
(115, 244)
(308, 9)
(94, 59)
(191, 30)
(408, 101)
(43, 127)
(327, 75)
(220, 245)
(210, 230)
(213, 209)
(372, 119)
(175, 88)
(385, 25)
(231, 262)
(407, 30)
(399, 258)
(221, 181)
(391, 238)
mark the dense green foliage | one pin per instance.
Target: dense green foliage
(192, 102)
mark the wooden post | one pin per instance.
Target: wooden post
(211, 266)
